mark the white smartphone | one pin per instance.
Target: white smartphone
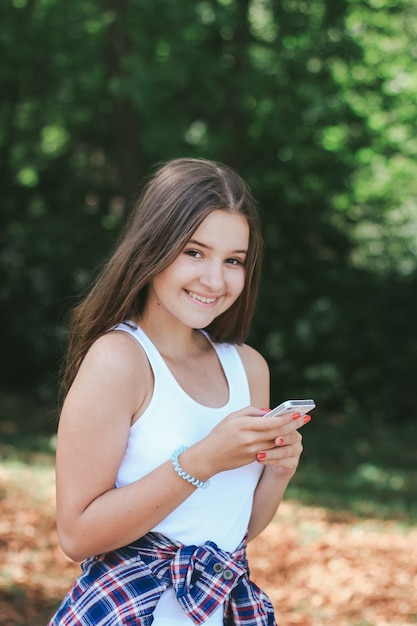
(292, 406)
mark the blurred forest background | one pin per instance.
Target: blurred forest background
(313, 102)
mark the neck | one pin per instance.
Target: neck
(177, 342)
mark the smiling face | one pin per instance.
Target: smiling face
(207, 276)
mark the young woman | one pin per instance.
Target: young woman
(165, 464)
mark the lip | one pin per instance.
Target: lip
(200, 299)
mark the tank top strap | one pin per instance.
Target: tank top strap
(234, 371)
(142, 338)
(227, 354)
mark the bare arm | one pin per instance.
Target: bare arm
(111, 388)
(280, 466)
(281, 458)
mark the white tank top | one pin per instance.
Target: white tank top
(219, 513)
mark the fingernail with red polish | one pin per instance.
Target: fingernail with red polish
(261, 456)
(306, 419)
(280, 441)
(296, 416)
(266, 410)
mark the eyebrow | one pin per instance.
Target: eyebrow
(204, 245)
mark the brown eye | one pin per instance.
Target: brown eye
(193, 253)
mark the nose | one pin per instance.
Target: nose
(213, 276)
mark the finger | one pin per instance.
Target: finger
(290, 425)
(289, 439)
(289, 418)
(268, 458)
(282, 454)
(299, 420)
(304, 419)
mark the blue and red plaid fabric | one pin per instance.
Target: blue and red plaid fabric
(124, 586)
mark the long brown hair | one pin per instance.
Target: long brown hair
(172, 205)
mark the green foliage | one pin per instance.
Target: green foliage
(312, 102)
(353, 469)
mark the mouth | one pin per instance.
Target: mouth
(202, 299)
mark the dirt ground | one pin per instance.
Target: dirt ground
(318, 568)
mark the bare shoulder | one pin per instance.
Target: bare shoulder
(116, 364)
(253, 360)
(119, 352)
(257, 371)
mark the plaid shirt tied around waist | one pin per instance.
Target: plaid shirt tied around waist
(124, 586)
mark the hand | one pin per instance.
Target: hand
(283, 458)
(241, 436)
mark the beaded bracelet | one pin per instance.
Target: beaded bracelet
(180, 471)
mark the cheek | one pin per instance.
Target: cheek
(167, 278)
(238, 283)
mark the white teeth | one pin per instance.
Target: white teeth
(201, 299)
